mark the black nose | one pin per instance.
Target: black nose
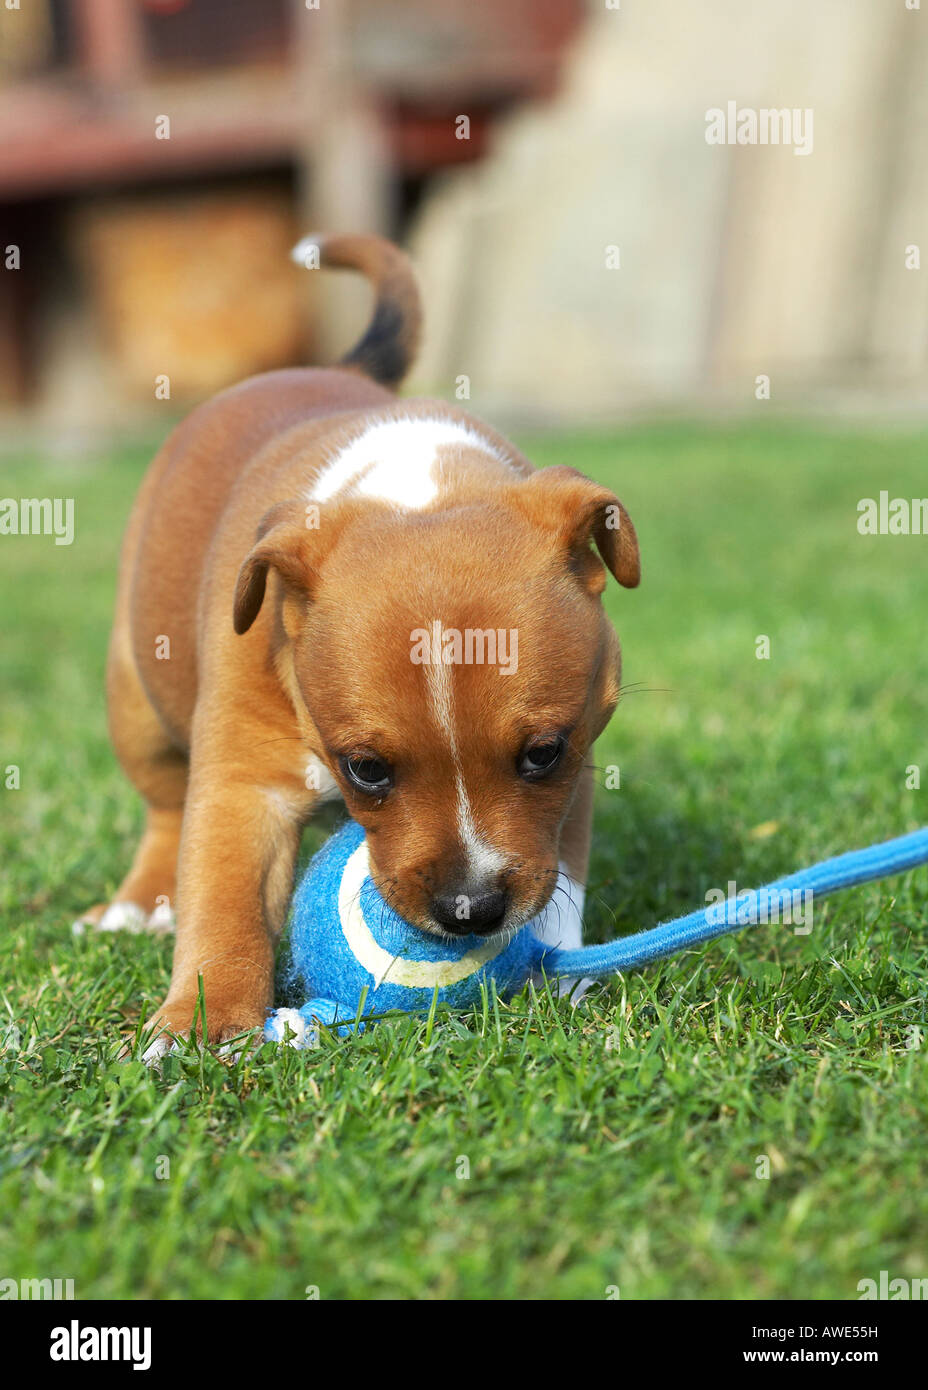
(462, 913)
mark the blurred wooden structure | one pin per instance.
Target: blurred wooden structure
(341, 107)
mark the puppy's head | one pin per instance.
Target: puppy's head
(457, 666)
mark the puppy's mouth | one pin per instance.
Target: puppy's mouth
(505, 930)
(515, 917)
(492, 916)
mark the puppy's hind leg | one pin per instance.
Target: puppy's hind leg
(158, 769)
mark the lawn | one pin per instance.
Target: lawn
(747, 1120)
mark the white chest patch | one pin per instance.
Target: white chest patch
(396, 461)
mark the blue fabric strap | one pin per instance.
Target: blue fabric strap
(760, 905)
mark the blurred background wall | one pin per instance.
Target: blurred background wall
(584, 251)
(735, 260)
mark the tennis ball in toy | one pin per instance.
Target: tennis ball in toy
(344, 937)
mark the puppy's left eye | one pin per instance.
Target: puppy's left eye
(368, 774)
(541, 758)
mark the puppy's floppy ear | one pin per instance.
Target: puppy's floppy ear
(579, 511)
(294, 539)
(288, 542)
(281, 541)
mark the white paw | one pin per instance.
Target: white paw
(162, 919)
(575, 988)
(130, 917)
(159, 1049)
(162, 1046)
(560, 987)
(124, 916)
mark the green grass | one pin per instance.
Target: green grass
(615, 1145)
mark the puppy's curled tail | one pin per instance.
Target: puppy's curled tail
(387, 349)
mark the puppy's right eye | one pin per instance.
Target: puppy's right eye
(368, 774)
(541, 758)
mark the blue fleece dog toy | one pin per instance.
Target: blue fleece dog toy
(355, 956)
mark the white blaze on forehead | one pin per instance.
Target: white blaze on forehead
(394, 461)
(482, 859)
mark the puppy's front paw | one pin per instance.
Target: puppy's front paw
(158, 1049)
(124, 916)
(173, 1022)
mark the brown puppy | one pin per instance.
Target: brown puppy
(323, 591)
